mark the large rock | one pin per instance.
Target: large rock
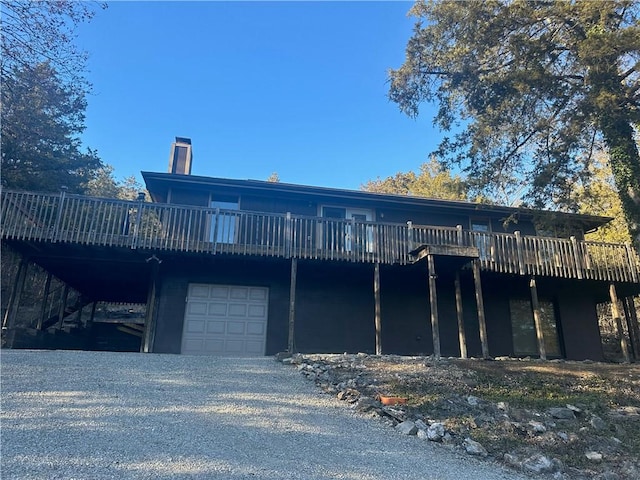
(407, 428)
(538, 463)
(474, 448)
(435, 432)
(562, 413)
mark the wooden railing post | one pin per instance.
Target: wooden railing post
(575, 249)
(520, 252)
(410, 236)
(460, 238)
(291, 344)
(136, 226)
(377, 310)
(56, 226)
(288, 236)
(634, 264)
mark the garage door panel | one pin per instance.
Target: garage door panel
(197, 308)
(239, 293)
(259, 311)
(217, 309)
(254, 328)
(225, 320)
(199, 291)
(196, 326)
(216, 327)
(219, 292)
(237, 310)
(235, 328)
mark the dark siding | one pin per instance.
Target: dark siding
(177, 275)
(278, 205)
(189, 197)
(334, 308)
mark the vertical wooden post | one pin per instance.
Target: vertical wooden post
(80, 307)
(480, 303)
(615, 311)
(410, 235)
(376, 297)
(292, 305)
(288, 236)
(632, 325)
(433, 304)
(537, 319)
(459, 235)
(519, 252)
(45, 296)
(11, 314)
(93, 311)
(635, 274)
(576, 256)
(146, 346)
(56, 227)
(63, 305)
(462, 338)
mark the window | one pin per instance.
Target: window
(347, 236)
(482, 240)
(525, 340)
(224, 224)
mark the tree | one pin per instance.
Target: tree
(274, 178)
(104, 184)
(432, 181)
(42, 118)
(600, 197)
(526, 89)
(44, 31)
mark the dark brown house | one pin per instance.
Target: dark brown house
(245, 267)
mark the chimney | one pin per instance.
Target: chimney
(180, 156)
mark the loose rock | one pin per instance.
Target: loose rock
(435, 432)
(538, 463)
(594, 456)
(407, 428)
(474, 448)
(562, 413)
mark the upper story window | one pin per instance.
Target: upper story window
(224, 225)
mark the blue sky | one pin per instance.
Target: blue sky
(298, 88)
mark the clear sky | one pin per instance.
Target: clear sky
(297, 88)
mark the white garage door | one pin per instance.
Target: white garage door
(228, 320)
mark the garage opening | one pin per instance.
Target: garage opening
(226, 320)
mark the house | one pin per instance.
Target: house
(247, 267)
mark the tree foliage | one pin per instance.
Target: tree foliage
(431, 181)
(600, 197)
(44, 96)
(104, 184)
(526, 89)
(41, 120)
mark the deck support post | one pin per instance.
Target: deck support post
(537, 319)
(45, 296)
(462, 338)
(632, 325)
(292, 305)
(615, 312)
(93, 312)
(148, 335)
(63, 305)
(376, 298)
(433, 304)
(480, 303)
(11, 314)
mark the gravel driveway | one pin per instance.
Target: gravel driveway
(99, 415)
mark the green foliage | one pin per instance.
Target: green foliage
(526, 89)
(42, 118)
(104, 184)
(431, 181)
(274, 177)
(44, 96)
(600, 197)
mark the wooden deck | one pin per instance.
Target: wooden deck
(76, 219)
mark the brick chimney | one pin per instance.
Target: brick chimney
(180, 156)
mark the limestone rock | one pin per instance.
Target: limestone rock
(597, 423)
(538, 463)
(407, 428)
(594, 456)
(474, 448)
(562, 413)
(435, 432)
(537, 427)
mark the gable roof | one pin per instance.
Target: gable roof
(158, 185)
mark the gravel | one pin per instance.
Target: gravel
(104, 415)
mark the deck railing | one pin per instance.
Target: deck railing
(139, 225)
